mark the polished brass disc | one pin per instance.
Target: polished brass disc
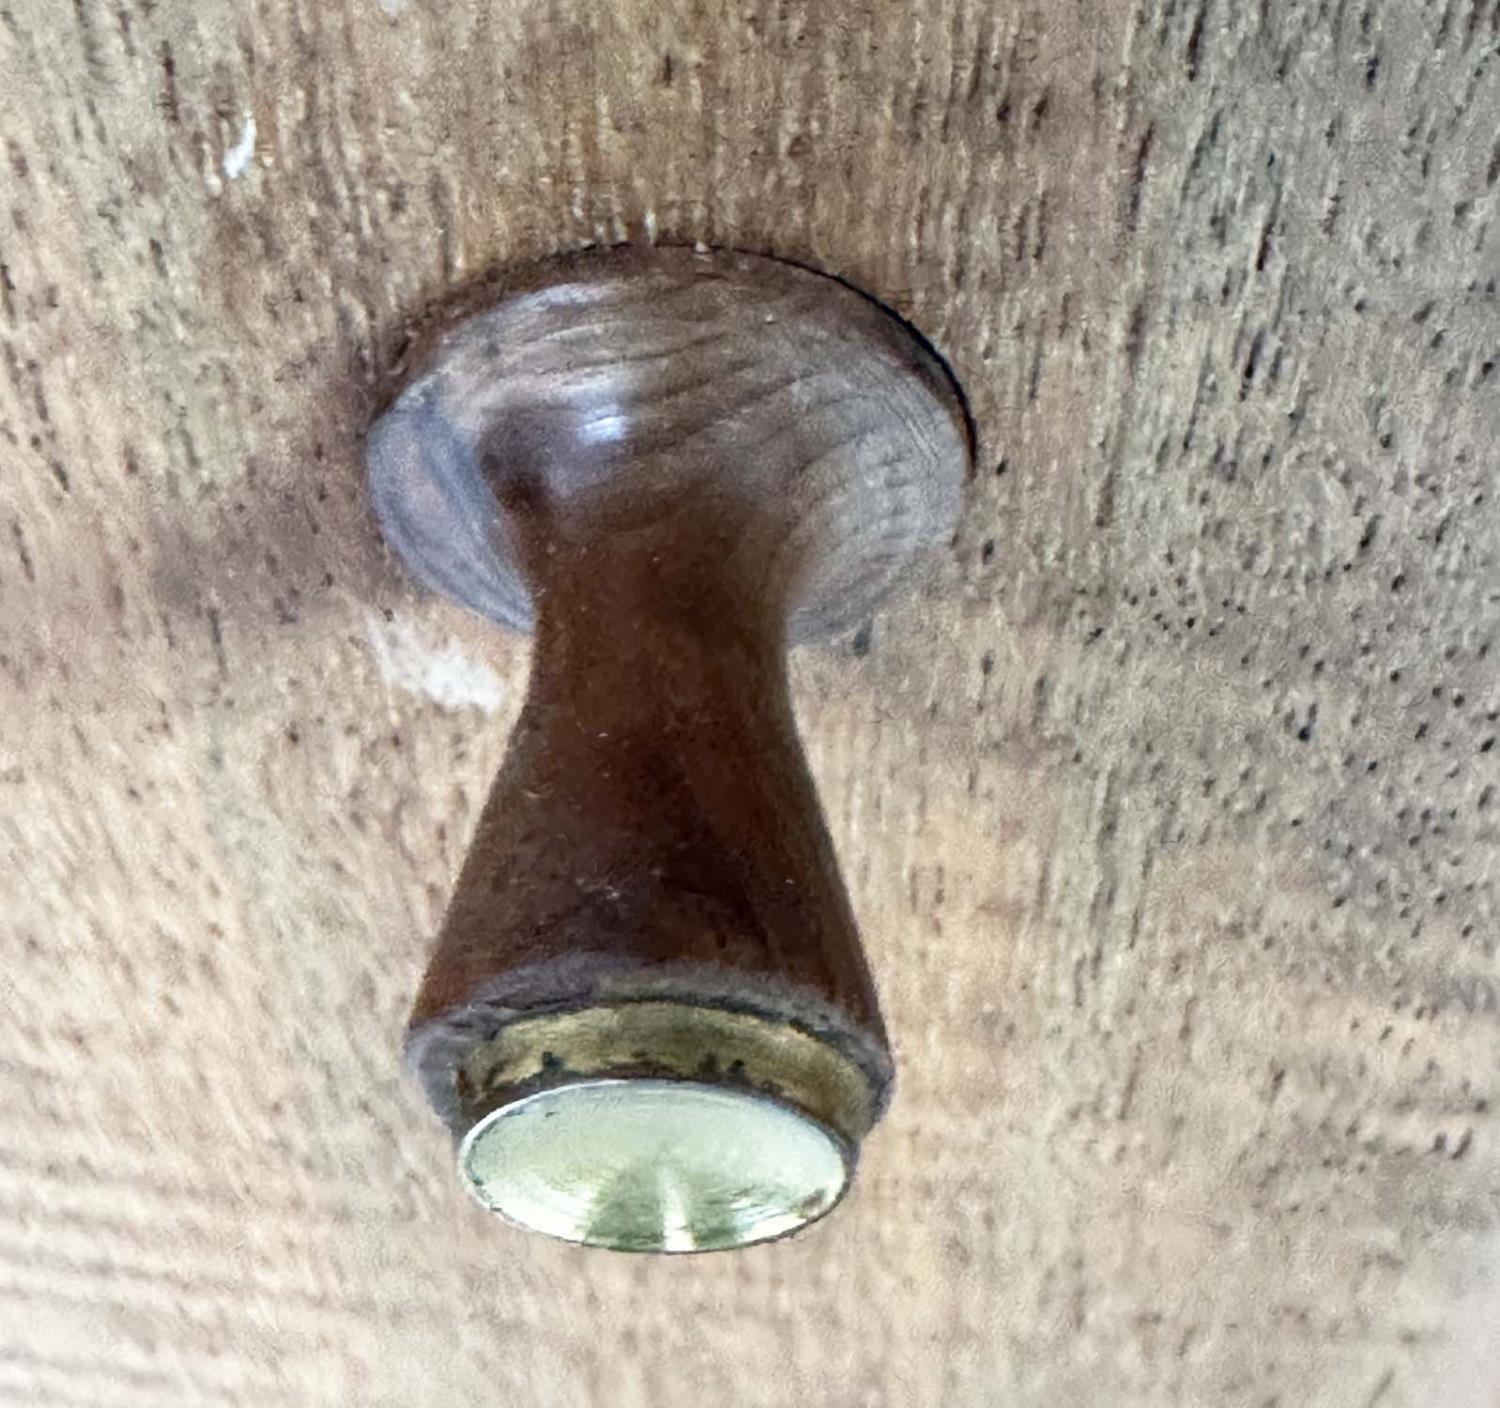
(660, 1125)
(654, 1165)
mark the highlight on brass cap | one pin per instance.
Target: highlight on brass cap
(654, 1165)
(648, 1019)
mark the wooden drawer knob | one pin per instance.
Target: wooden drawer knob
(648, 1019)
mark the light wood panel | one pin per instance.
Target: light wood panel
(1169, 807)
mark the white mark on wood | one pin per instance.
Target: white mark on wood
(650, 224)
(392, 7)
(237, 158)
(443, 673)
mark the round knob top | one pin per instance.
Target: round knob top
(654, 1165)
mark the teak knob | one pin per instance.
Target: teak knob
(648, 1019)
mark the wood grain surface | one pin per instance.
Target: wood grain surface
(1169, 806)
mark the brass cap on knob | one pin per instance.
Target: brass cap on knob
(660, 1126)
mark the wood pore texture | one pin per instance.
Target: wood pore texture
(1168, 802)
